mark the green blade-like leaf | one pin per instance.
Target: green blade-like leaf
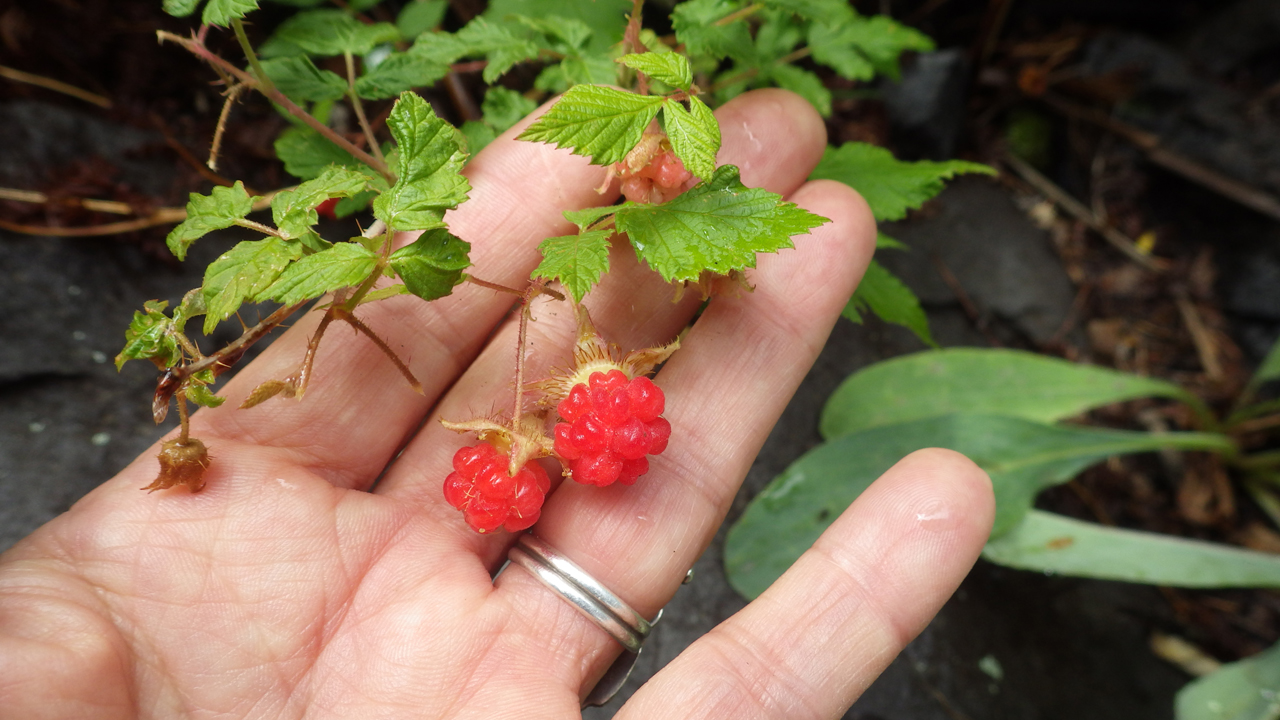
(599, 122)
(432, 153)
(294, 211)
(718, 226)
(1243, 690)
(671, 68)
(694, 136)
(400, 72)
(1047, 542)
(891, 300)
(343, 265)
(328, 32)
(805, 84)
(503, 108)
(1004, 382)
(242, 273)
(299, 78)
(890, 186)
(432, 265)
(206, 213)
(150, 336)
(180, 8)
(695, 23)
(577, 261)
(222, 12)
(859, 49)
(1021, 457)
(420, 16)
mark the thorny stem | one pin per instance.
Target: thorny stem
(216, 146)
(384, 347)
(738, 14)
(184, 418)
(359, 108)
(520, 347)
(189, 346)
(264, 82)
(223, 359)
(264, 229)
(536, 288)
(199, 50)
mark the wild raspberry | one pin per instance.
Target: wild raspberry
(490, 498)
(611, 425)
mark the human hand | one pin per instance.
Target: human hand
(287, 589)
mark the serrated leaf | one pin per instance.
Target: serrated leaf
(565, 35)
(306, 153)
(299, 79)
(884, 242)
(832, 47)
(222, 12)
(580, 70)
(891, 300)
(150, 336)
(503, 108)
(327, 32)
(891, 187)
(192, 305)
(500, 46)
(198, 392)
(206, 213)
(877, 42)
(606, 18)
(242, 273)
(180, 8)
(600, 122)
(343, 265)
(694, 136)
(478, 136)
(398, 73)
(577, 261)
(670, 68)
(1022, 458)
(432, 265)
(586, 216)
(803, 83)
(294, 211)
(827, 11)
(695, 26)
(384, 293)
(347, 207)
(432, 153)
(719, 225)
(1013, 383)
(420, 16)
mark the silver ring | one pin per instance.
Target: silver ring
(582, 591)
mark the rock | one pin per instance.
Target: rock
(926, 107)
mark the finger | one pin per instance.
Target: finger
(632, 306)
(359, 408)
(725, 390)
(810, 645)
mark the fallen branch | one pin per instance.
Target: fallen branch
(55, 85)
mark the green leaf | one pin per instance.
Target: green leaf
(222, 12)
(400, 72)
(343, 265)
(587, 216)
(694, 136)
(884, 242)
(695, 26)
(859, 49)
(577, 261)
(1052, 543)
(580, 70)
(1003, 382)
(432, 265)
(420, 16)
(328, 32)
(600, 122)
(827, 11)
(671, 68)
(478, 135)
(242, 273)
(299, 79)
(606, 18)
(1269, 369)
(562, 34)
(719, 225)
(890, 186)
(294, 211)
(503, 108)
(384, 293)
(1243, 690)
(206, 213)
(432, 153)
(1022, 458)
(500, 46)
(198, 392)
(803, 83)
(891, 300)
(306, 153)
(347, 207)
(180, 8)
(150, 336)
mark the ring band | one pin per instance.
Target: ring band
(582, 591)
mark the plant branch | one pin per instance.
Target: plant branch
(39, 198)
(264, 82)
(264, 229)
(199, 50)
(54, 85)
(747, 11)
(214, 147)
(224, 359)
(355, 322)
(359, 108)
(184, 418)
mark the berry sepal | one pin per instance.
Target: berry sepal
(521, 444)
(593, 354)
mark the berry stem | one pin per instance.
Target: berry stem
(359, 108)
(520, 346)
(356, 323)
(184, 417)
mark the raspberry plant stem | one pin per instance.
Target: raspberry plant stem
(184, 419)
(359, 107)
(224, 359)
(216, 146)
(356, 323)
(264, 82)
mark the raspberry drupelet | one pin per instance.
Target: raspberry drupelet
(611, 426)
(488, 496)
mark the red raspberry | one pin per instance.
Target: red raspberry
(326, 209)
(612, 425)
(480, 487)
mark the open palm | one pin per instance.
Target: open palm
(289, 589)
